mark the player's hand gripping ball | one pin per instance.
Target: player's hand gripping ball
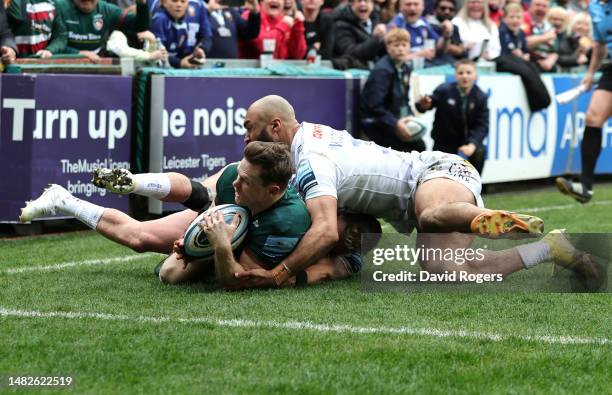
(197, 245)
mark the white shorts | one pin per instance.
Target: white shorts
(435, 164)
(454, 168)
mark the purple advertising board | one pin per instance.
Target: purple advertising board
(202, 123)
(57, 129)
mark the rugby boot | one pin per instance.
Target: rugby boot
(499, 222)
(46, 205)
(563, 253)
(114, 180)
(574, 189)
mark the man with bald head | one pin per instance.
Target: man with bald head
(432, 191)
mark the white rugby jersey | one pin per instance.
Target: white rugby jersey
(363, 176)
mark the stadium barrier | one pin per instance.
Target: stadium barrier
(524, 145)
(55, 128)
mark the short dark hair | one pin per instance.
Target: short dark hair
(463, 62)
(274, 160)
(437, 3)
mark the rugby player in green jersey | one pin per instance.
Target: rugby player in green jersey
(272, 202)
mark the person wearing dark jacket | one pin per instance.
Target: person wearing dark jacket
(228, 27)
(384, 109)
(8, 47)
(358, 35)
(461, 122)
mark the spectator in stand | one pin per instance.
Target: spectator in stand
(452, 49)
(358, 35)
(566, 45)
(461, 122)
(410, 18)
(184, 29)
(37, 29)
(580, 27)
(386, 8)
(284, 31)
(511, 37)
(478, 33)
(515, 58)
(385, 108)
(90, 22)
(228, 28)
(541, 37)
(318, 28)
(8, 47)
(496, 10)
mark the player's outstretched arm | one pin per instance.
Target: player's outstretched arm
(315, 244)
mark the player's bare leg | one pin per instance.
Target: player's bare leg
(445, 205)
(155, 236)
(600, 109)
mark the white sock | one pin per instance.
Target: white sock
(86, 212)
(533, 254)
(155, 185)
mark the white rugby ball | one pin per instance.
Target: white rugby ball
(416, 127)
(197, 245)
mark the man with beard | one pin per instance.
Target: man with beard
(452, 48)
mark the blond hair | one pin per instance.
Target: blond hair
(397, 34)
(486, 20)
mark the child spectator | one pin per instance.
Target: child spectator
(515, 58)
(37, 29)
(461, 122)
(385, 107)
(228, 27)
(285, 32)
(90, 22)
(184, 29)
(511, 37)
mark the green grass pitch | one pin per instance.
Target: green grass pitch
(115, 329)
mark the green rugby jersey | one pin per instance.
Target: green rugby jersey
(275, 232)
(89, 32)
(36, 26)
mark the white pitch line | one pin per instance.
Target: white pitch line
(92, 262)
(310, 326)
(561, 206)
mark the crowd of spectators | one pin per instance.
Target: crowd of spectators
(351, 34)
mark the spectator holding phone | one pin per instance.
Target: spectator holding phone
(228, 26)
(478, 32)
(184, 29)
(281, 33)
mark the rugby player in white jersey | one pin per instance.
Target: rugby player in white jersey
(432, 191)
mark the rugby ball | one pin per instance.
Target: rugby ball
(416, 127)
(197, 245)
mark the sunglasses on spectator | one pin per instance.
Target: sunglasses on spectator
(442, 8)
